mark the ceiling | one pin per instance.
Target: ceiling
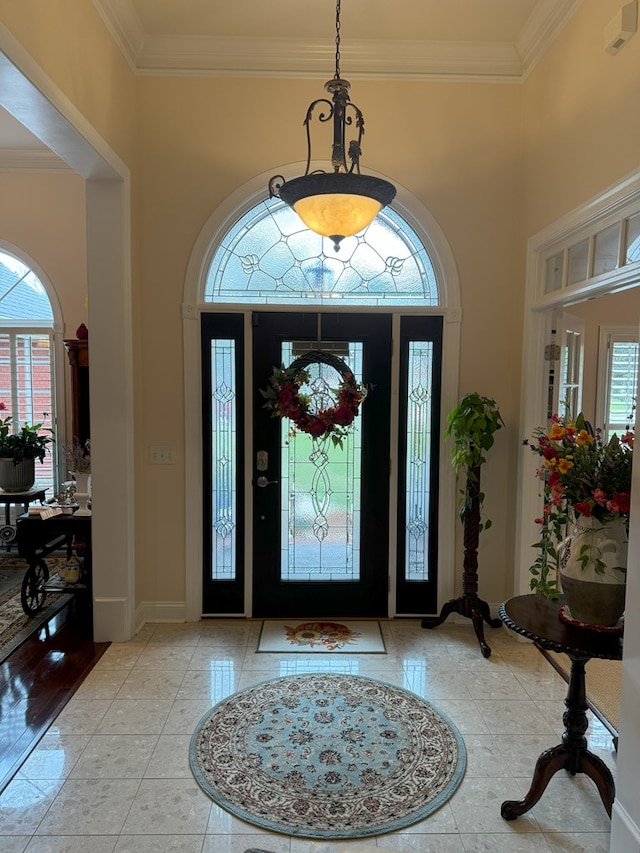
(406, 39)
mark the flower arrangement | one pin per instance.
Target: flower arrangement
(30, 441)
(583, 476)
(78, 457)
(285, 400)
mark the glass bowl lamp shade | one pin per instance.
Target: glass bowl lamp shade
(337, 204)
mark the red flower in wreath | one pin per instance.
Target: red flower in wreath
(284, 398)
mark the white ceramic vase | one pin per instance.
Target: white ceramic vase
(591, 559)
(83, 491)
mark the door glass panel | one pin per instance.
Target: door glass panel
(223, 459)
(418, 469)
(321, 506)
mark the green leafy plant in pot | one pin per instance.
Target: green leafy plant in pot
(19, 449)
(471, 425)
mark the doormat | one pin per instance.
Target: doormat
(321, 637)
(327, 756)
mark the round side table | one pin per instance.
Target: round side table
(537, 619)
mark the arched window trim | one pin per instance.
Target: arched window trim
(254, 191)
(56, 330)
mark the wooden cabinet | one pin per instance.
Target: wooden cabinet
(78, 352)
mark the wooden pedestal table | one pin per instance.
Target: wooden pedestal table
(538, 619)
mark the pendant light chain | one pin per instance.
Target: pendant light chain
(337, 75)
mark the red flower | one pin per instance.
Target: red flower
(584, 508)
(286, 394)
(622, 501)
(343, 415)
(314, 427)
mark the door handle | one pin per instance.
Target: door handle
(263, 482)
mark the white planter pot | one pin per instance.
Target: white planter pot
(592, 581)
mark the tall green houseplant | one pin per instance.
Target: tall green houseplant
(471, 425)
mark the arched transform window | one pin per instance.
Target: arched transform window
(269, 256)
(26, 347)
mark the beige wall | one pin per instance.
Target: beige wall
(455, 147)
(43, 216)
(581, 119)
(493, 163)
(70, 42)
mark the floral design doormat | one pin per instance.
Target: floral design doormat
(327, 756)
(321, 636)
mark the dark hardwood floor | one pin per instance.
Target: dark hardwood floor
(36, 682)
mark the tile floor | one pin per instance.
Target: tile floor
(112, 773)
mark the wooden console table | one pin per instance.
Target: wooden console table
(537, 619)
(37, 539)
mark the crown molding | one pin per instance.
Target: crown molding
(31, 160)
(125, 26)
(149, 54)
(545, 23)
(373, 59)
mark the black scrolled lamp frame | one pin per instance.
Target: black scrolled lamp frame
(346, 178)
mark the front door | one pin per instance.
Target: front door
(300, 527)
(320, 511)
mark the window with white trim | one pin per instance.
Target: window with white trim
(26, 353)
(618, 361)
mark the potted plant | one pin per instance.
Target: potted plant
(19, 448)
(471, 425)
(587, 495)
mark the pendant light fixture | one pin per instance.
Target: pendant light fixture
(341, 203)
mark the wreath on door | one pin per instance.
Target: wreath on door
(286, 400)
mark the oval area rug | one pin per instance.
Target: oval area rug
(327, 756)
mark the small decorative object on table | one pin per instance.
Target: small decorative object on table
(79, 461)
(587, 494)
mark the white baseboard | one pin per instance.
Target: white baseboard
(160, 611)
(625, 834)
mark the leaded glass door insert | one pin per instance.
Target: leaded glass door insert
(321, 519)
(321, 506)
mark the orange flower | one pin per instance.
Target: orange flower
(564, 465)
(557, 432)
(584, 437)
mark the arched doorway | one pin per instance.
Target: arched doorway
(383, 286)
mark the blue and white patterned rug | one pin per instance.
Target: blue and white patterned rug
(327, 756)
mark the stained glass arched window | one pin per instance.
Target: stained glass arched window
(269, 256)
